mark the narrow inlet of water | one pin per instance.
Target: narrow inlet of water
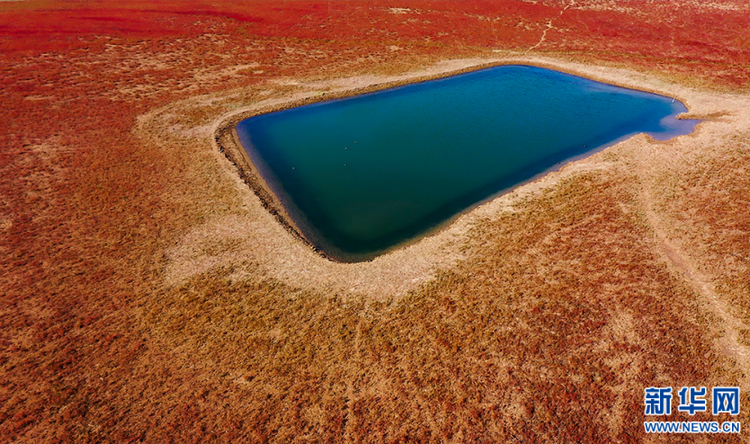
(363, 174)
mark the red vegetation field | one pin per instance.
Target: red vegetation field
(94, 347)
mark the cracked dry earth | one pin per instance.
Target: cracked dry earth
(550, 26)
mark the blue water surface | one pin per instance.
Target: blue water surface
(363, 174)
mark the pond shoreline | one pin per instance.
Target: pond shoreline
(227, 142)
(279, 252)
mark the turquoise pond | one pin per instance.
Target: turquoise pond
(363, 174)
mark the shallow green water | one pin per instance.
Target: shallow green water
(363, 174)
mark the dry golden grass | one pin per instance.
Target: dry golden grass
(547, 329)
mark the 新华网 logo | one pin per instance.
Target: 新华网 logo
(723, 400)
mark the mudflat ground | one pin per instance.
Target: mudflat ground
(147, 296)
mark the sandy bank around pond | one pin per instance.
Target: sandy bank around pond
(258, 236)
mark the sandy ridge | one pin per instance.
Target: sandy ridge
(267, 238)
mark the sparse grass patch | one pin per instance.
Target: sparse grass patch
(560, 315)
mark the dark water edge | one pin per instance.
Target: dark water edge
(364, 174)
